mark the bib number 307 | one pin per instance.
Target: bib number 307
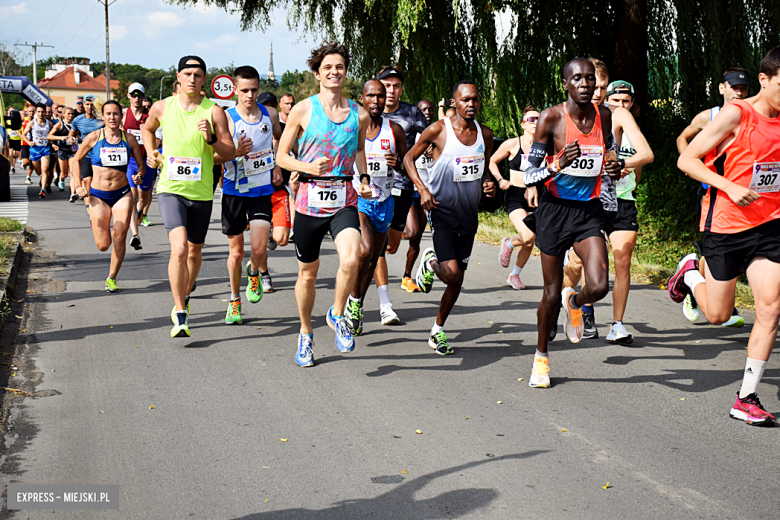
(184, 169)
(765, 177)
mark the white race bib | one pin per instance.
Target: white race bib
(377, 164)
(765, 177)
(139, 136)
(256, 163)
(40, 138)
(184, 169)
(589, 163)
(623, 182)
(327, 195)
(113, 156)
(469, 168)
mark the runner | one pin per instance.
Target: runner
(285, 105)
(14, 143)
(27, 116)
(66, 147)
(519, 200)
(147, 103)
(385, 148)
(54, 168)
(110, 149)
(247, 188)
(36, 135)
(80, 110)
(192, 131)
(135, 117)
(578, 134)
(741, 224)
(83, 125)
(735, 85)
(331, 132)
(456, 179)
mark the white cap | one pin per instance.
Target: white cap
(136, 86)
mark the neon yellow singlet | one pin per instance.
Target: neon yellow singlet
(188, 162)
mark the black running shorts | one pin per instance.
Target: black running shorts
(624, 220)
(237, 211)
(15, 144)
(310, 231)
(25, 151)
(514, 199)
(194, 215)
(450, 245)
(560, 223)
(403, 203)
(728, 256)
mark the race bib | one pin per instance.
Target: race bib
(39, 139)
(113, 156)
(624, 181)
(184, 169)
(256, 163)
(765, 177)
(139, 136)
(327, 195)
(469, 169)
(524, 163)
(589, 163)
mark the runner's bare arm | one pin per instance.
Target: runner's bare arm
(219, 126)
(613, 168)
(488, 184)
(82, 152)
(53, 130)
(364, 190)
(395, 161)
(720, 129)
(277, 178)
(503, 151)
(692, 130)
(135, 148)
(625, 122)
(432, 135)
(151, 126)
(295, 124)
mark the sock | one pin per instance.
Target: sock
(516, 270)
(181, 316)
(436, 328)
(693, 278)
(252, 272)
(384, 297)
(234, 297)
(754, 369)
(310, 336)
(407, 274)
(540, 354)
(573, 301)
(333, 313)
(264, 273)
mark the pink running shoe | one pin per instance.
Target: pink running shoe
(676, 287)
(514, 281)
(749, 409)
(505, 253)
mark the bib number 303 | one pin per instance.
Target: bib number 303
(766, 177)
(184, 169)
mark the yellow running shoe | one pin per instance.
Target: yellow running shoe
(408, 285)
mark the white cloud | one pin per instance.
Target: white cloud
(160, 21)
(117, 33)
(18, 10)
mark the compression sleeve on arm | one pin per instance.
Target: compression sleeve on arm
(537, 171)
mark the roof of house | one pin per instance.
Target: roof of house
(67, 80)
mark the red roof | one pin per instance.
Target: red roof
(67, 80)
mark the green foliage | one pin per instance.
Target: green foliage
(9, 224)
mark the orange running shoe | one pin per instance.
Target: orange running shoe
(409, 285)
(573, 323)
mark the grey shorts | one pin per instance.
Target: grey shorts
(194, 215)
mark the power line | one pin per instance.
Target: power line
(79, 29)
(57, 20)
(99, 35)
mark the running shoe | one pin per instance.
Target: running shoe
(554, 329)
(268, 284)
(28, 180)
(173, 312)
(48, 190)
(572, 318)
(438, 342)
(271, 242)
(353, 314)
(424, 278)
(13, 170)
(344, 340)
(735, 321)
(690, 308)
(387, 315)
(619, 334)
(749, 409)
(254, 289)
(42, 194)
(73, 198)
(566, 256)
(505, 252)
(304, 357)
(540, 373)
(234, 313)
(676, 287)
(589, 330)
(181, 327)
(408, 285)
(61, 185)
(135, 243)
(292, 236)
(111, 285)
(145, 221)
(514, 281)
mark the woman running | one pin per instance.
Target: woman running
(67, 148)
(519, 200)
(36, 136)
(109, 152)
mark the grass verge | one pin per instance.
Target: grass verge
(654, 261)
(7, 251)
(9, 224)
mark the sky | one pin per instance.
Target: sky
(152, 33)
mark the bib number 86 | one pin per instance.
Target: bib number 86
(184, 170)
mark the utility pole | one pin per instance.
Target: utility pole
(35, 56)
(106, 3)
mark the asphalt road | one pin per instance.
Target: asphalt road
(651, 418)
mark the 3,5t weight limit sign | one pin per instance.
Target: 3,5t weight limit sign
(222, 86)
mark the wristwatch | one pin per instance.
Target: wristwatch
(213, 139)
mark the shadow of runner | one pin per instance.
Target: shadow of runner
(400, 502)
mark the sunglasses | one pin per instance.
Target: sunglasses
(79, 103)
(532, 119)
(137, 93)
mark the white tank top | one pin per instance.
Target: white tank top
(257, 166)
(40, 133)
(381, 174)
(422, 163)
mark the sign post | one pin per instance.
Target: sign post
(222, 86)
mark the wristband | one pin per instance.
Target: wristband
(622, 163)
(213, 139)
(365, 176)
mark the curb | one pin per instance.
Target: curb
(7, 286)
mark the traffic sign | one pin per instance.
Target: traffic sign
(222, 86)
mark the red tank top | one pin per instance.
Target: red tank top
(751, 160)
(133, 126)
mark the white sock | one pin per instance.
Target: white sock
(517, 270)
(384, 297)
(235, 296)
(436, 328)
(693, 278)
(754, 369)
(540, 354)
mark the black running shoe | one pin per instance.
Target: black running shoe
(589, 330)
(135, 243)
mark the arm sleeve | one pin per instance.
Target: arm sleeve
(611, 144)
(537, 172)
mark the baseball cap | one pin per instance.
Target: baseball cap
(89, 97)
(391, 72)
(136, 86)
(267, 97)
(620, 87)
(736, 78)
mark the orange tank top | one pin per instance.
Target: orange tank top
(751, 160)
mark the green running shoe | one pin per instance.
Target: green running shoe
(111, 285)
(736, 320)
(438, 342)
(354, 316)
(234, 313)
(145, 222)
(424, 278)
(690, 308)
(254, 289)
(181, 327)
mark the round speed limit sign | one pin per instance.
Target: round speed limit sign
(222, 86)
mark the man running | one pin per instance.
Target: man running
(285, 105)
(36, 135)
(135, 117)
(578, 134)
(741, 224)
(456, 179)
(331, 132)
(248, 187)
(193, 131)
(735, 85)
(385, 148)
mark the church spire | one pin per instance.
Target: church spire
(271, 76)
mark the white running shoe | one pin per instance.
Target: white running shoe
(388, 315)
(690, 309)
(540, 373)
(619, 334)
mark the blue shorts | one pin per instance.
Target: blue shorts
(36, 152)
(149, 176)
(379, 213)
(110, 197)
(416, 198)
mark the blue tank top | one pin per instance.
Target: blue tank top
(115, 155)
(251, 176)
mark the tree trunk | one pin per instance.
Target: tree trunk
(631, 45)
